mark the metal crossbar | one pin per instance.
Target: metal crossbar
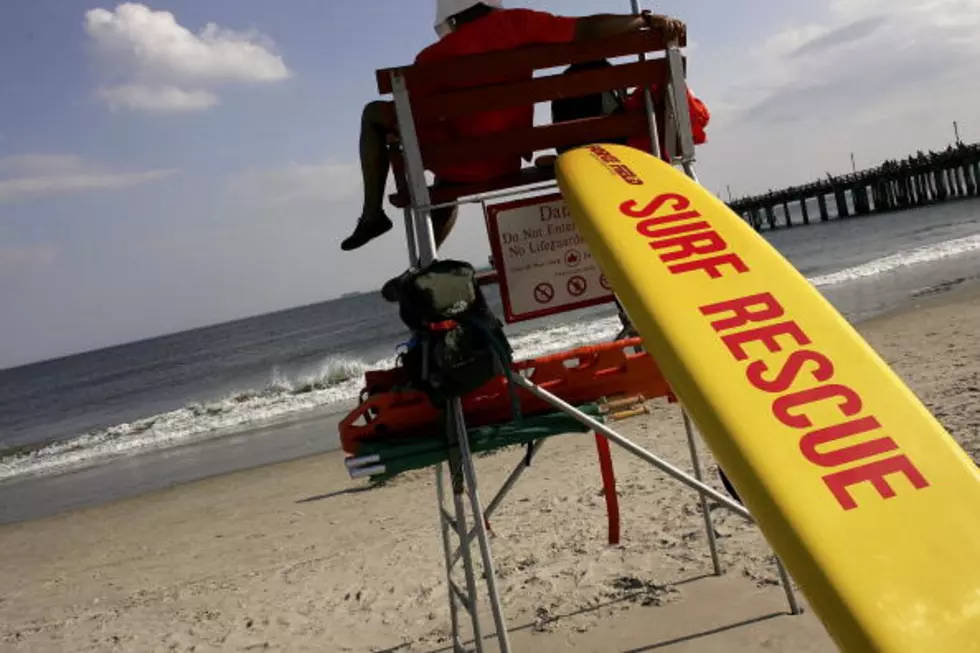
(499, 497)
(462, 473)
(480, 198)
(664, 466)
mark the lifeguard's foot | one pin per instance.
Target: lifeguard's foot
(368, 228)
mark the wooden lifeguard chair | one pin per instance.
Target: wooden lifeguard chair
(653, 63)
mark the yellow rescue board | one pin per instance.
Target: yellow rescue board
(859, 489)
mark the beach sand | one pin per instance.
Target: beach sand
(297, 557)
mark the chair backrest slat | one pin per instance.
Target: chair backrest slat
(542, 89)
(537, 57)
(542, 137)
(458, 73)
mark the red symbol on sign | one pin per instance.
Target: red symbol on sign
(604, 282)
(576, 286)
(544, 293)
(573, 258)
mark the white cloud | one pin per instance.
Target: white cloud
(28, 176)
(157, 98)
(881, 78)
(167, 67)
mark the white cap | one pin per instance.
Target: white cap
(446, 9)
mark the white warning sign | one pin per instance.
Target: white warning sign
(542, 262)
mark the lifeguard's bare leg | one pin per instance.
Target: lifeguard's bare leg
(374, 175)
(374, 157)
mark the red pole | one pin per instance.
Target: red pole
(608, 486)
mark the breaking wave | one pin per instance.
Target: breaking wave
(339, 380)
(903, 259)
(336, 385)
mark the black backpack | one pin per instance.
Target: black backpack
(458, 343)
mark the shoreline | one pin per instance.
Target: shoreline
(302, 434)
(131, 476)
(864, 267)
(295, 556)
(957, 291)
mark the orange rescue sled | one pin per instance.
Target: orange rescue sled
(577, 376)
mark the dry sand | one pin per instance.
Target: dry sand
(296, 557)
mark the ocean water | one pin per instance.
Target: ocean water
(225, 388)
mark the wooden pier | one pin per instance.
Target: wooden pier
(922, 179)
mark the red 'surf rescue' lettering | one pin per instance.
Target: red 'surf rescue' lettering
(682, 238)
(758, 324)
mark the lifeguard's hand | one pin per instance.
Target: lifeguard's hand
(673, 28)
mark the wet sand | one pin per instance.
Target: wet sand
(297, 557)
(33, 497)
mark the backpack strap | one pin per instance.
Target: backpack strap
(502, 350)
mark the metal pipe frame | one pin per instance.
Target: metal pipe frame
(662, 465)
(415, 171)
(413, 250)
(422, 252)
(709, 527)
(461, 468)
(670, 131)
(489, 573)
(678, 99)
(681, 113)
(648, 98)
(469, 599)
(444, 526)
(481, 198)
(502, 493)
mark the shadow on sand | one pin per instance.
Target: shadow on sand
(652, 647)
(338, 493)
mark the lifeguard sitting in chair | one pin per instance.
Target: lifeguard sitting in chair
(466, 27)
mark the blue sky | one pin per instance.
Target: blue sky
(158, 173)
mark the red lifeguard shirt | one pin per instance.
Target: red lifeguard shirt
(503, 29)
(700, 117)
